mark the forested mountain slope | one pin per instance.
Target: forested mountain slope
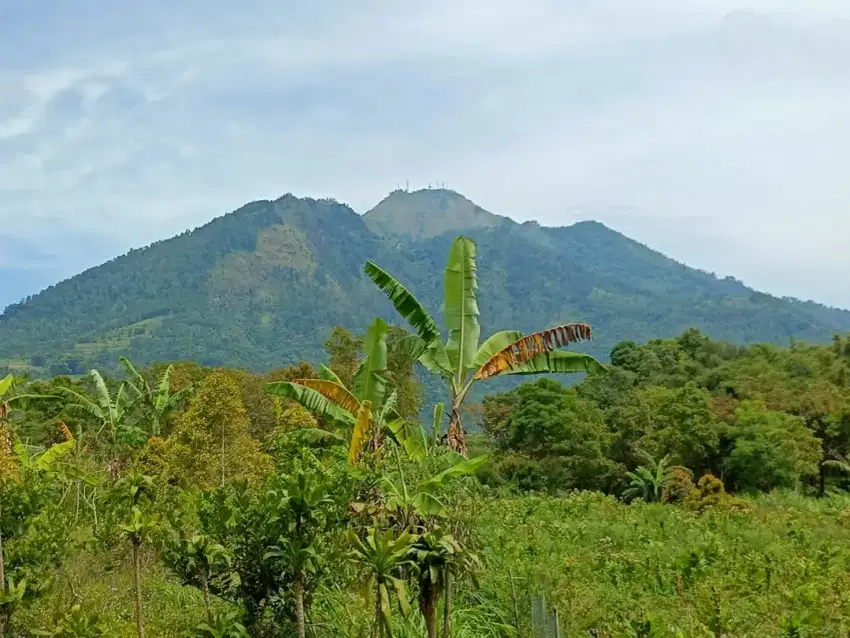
(264, 285)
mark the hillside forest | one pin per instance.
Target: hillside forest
(691, 487)
(263, 286)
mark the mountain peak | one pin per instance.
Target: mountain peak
(428, 213)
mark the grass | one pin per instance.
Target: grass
(779, 569)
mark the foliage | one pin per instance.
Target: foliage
(245, 514)
(75, 623)
(649, 481)
(381, 557)
(366, 408)
(211, 444)
(157, 402)
(771, 450)
(461, 360)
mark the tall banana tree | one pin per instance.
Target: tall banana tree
(364, 408)
(461, 360)
(158, 402)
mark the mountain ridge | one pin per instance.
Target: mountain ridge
(262, 286)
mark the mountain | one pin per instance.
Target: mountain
(262, 287)
(429, 213)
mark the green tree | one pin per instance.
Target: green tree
(684, 426)
(343, 350)
(771, 449)
(211, 443)
(33, 530)
(198, 560)
(553, 426)
(439, 557)
(401, 375)
(461, 361)
(307, 507)
(135, 490)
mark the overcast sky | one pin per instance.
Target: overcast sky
(716, 131)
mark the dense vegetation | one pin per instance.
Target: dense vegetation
(692, 488)
(264, 286)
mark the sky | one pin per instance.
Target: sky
(715, 131)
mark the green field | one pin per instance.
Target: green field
(780, 569)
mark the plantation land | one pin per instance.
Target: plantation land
(779, 569)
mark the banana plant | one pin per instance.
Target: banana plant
(157, 402)
(461, 360)
(415, 503)
(51, 463)
(363, 409)
(7, 404)
(648, 481)
(111, 413)
(381, 558)
(439, 557)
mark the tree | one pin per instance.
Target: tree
(305, 505)
(33, 531)
(157, 403)
(198, 559)
(211, 443)
(771, 449)
(343, 351)
(367, 408)
(135, 489)
(461, 361)
(381, 558)
(565, 435)
(682, 425)
(401, 375)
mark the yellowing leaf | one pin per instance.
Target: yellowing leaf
(336, 392)
(523, 350)
(361, 429)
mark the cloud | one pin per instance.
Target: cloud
(713, 130)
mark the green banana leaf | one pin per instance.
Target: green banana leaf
(559, 361)
(404, 302)
(369, 385)
(461, 306)
(310, 400)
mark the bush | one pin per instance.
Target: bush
(679, 487)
